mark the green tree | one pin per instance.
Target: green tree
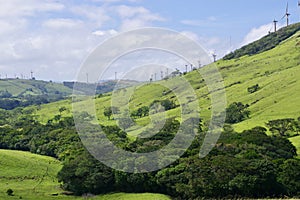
(281, 126)
(290, 176)
(253, 88)
(62, 109)
(107, 112)
(236, 112)
(10, 192)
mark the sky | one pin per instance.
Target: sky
(53, 38)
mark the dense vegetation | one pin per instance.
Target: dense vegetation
(266, 43)
(247, 164)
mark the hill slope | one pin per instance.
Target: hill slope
(276, 71)
(19, 87)
(30, 176)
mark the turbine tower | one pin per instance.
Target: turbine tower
(275, 25)
(287, 14)
(214, 56)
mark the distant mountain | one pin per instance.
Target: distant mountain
(20, 92)
(102, 87)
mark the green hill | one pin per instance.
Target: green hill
(276, 72)
(32, 176)
(21, 93)
(21, 87)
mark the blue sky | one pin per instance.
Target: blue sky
(53, 38)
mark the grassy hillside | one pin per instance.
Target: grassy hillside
(32, 87)
(32, 176)
(276, 71)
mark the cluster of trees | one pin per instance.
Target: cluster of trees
(143, 111)
(57, 138)
(9, 103)
(248, 164)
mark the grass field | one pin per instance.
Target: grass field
(296, 142)
(33, 177)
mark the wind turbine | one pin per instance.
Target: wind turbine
(214, 55)
(287, 14)
(275, 25)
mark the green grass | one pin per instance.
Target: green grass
(32, 177)
(296, 142)
(126, 196)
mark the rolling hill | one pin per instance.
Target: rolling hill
(21, 87)
(276, 71)
(32, 176)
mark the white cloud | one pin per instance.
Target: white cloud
(62, 23)
(257, 33)
(93, 14)
(17, 8)
(136, 17)
(201, 22)
(53, 39)
(110, 32)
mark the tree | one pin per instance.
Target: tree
(281, 126)
(290, 176)
(107, 112)
(62, 109)
(236, 112)
(141, 112)
(253, 88)
(10, 192)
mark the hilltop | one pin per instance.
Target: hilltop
(23, 92)
(266, 43)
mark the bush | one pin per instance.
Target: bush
(9, 192)
(253, 88)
